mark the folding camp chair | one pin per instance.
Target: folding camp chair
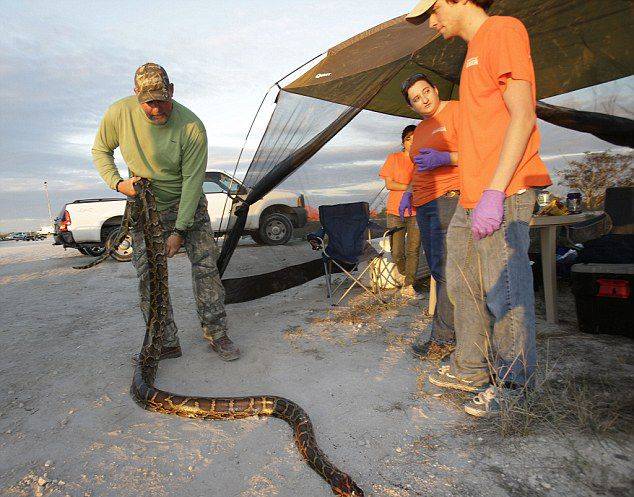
(343, 243)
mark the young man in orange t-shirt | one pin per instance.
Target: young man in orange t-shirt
(397, 173)
(489, 277)
(435, 193)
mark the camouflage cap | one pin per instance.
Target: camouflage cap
(151, 83)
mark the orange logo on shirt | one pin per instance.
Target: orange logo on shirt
(473, 61)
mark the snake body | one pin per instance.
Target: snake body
(143, 211)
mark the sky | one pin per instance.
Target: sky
(63, 63)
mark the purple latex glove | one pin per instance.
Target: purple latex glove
(488, 214)
(405, 205)
(429, 158)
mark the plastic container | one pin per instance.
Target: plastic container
(604, 298)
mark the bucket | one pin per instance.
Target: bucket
(384, 274)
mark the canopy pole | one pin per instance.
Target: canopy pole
(612, 129)
(244, 144)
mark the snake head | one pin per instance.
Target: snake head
(345, 487)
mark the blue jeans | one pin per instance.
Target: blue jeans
(433, 221)
(490, 284)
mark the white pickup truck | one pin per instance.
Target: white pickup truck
(91, 225)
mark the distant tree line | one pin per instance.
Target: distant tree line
(595, 173)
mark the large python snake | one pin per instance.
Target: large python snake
(143, 211)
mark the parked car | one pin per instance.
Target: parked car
(91, 225)
(271, 220)
(25, 236)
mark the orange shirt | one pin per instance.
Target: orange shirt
(441, 133)
(499, 50)
(398, 167)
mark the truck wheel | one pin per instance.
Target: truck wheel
(122, 253)
(275, 229)
(256, 238)
(92, 250)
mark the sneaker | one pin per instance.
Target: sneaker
(432, 350)
(488, 404)
(420, 347)
(444, 378)
(225, 348)
(484, 404)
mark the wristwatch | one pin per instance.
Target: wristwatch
(116, 187)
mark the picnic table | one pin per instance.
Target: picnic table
(547, 226)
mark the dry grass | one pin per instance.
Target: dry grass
(579, 404)
(566, 404)
(358, 308)
(562, 402)
(569, 398)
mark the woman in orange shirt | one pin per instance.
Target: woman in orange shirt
(397, 173)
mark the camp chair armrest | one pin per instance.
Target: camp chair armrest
(375, 226)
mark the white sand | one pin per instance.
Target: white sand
(67, 338)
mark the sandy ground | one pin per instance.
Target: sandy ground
(69, 427)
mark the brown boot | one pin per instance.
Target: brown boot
(225, 348)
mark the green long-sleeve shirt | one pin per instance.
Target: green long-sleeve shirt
(172, 155)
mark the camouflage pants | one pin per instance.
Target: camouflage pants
(202, 252)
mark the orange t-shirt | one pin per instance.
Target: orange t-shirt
(441, 133)
(398, 167)
(498, 51)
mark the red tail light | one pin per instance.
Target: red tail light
(618, 289)
(63, 224)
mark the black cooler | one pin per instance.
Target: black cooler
(604, 298)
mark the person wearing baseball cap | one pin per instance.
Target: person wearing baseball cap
(165, 142)
(489, 278)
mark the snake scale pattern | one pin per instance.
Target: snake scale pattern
(143, 210)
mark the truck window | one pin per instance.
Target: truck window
(216, 182)
(226, 182)
(212, 187)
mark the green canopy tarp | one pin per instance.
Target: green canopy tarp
(575, 44)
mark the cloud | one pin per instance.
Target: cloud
(61, 68)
